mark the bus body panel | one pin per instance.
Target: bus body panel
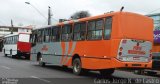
(35, 50)
(10, 49)
(95, 60)
(24, 47)
(136, 27)
(51, 52)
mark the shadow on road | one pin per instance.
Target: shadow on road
(92, 76)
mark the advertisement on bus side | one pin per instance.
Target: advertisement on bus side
(157, 36)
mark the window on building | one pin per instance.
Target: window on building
(79, 31)
(66, 33)
(95, 29)
(108, 28)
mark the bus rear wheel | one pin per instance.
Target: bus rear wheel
(77, 67)
(41, 63)
(106, 72)
(5, 55)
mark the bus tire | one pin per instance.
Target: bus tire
(13, 56)
(151, 73)
(41, 63)
(106, 72)
(5, 55)
(139, 72)
(64, 67)
(77, 67)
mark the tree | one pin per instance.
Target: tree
(80, 14)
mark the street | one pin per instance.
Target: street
(27, 71)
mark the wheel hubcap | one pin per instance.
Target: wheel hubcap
(76, 67)
(40, 61)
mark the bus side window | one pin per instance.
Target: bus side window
(33, 38)
(10, 40)
(50, 34)
(6, 40)
(14, 40)
(108, 28)
(66, 33)
(79, 31)
(46, 35)
(90, 31)
(56, 33)
(95, 30)
(39, 36)
(17, 38)
(99, 28)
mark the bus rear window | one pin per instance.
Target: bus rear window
(24, 37)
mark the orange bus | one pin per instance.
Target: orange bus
(101, 43)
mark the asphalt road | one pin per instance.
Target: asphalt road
(27, 72)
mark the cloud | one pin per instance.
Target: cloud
(27, 15)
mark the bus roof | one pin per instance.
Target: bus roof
(86, 19)
(80, 20)
(9, 35)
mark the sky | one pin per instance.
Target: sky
(24, 14)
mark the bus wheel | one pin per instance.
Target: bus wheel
(5, 55)
(107, 72)
(77, 67)
(151, 73)
(139, 72)
(13, 56)
(41, 63)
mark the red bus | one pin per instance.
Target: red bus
(101, 43)
(17, 45)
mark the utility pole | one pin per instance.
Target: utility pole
(49, 15)
(11, 26)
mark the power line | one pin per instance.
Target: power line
(40, 12)
(36, 10)
(154, 10)
(2, 23)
